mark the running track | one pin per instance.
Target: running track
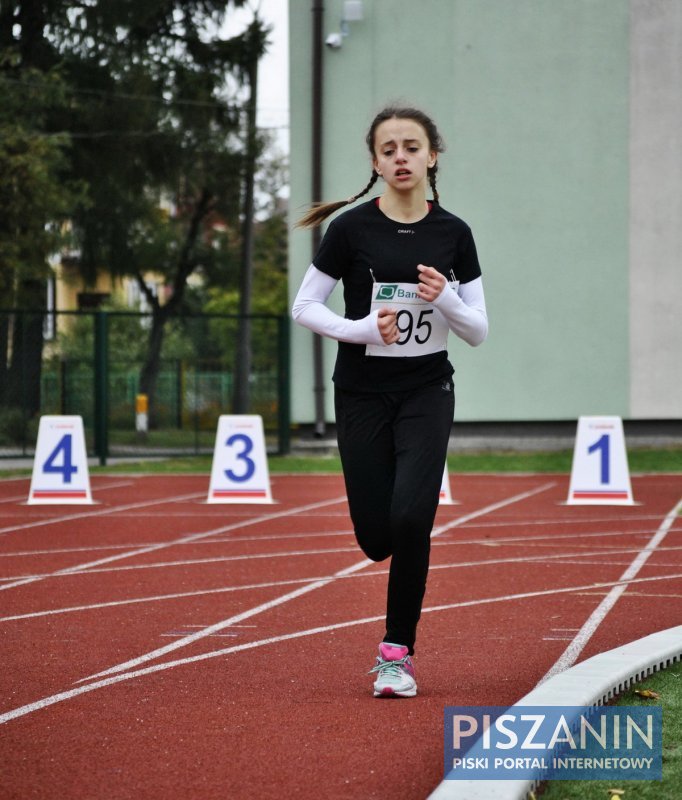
(154, 646)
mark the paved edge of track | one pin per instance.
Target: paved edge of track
(590, 683)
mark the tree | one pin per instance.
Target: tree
(35, 199)
(269, 263)
(154, 118)
(165, 122)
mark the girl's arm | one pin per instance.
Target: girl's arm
(465, 311)
(309, 310)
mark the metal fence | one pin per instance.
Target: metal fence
(91, 363)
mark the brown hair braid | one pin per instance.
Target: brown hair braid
(319, 212)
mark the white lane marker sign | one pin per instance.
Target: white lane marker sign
(445, 498)
(600, 473)
(60, 466)
(240, 467)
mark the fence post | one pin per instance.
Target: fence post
(178, 392)
(283, 387)
(101, 385)
(63, 405)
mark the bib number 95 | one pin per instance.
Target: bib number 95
(406, 325)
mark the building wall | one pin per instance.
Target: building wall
(656, 209)
(554, 158)
(69, 285)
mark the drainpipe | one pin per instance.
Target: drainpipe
(318, 48)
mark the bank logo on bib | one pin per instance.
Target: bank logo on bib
(386, 291)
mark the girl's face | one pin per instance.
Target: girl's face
(402, 154)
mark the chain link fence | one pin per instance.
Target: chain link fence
(95, 364)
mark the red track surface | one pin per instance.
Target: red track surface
(274, 700)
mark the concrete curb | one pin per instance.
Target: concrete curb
(590, 683)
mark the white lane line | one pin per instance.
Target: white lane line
(575, 648)
(58, 551)
(22, 498)
(114, 679)
(563, 557)
(505, 540)
(182, 540)
(226, 623)
(100, 512)
(306, 589)
(509, 521)
(190, 562)
(458, 521)
(177, 596)
(558, 558)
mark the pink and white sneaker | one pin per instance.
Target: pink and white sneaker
(395, 670)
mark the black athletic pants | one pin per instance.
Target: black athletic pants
(393, 448)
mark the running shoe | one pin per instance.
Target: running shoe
(395, 672)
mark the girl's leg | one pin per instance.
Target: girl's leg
(365, 440)
(421, 428)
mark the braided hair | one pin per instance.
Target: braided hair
(320, 211)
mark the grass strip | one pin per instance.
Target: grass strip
(668, 684)
(641, 460)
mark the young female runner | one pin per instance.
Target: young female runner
(410, 274)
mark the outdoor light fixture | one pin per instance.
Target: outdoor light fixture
(352, 12)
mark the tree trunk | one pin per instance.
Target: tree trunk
(4, 356)
(242, 369)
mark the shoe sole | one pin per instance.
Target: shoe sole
(388, 692)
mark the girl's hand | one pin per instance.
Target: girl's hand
(388, 327)
(431, 283)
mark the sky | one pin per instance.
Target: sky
(273, 70)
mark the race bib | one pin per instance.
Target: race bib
(423, 329)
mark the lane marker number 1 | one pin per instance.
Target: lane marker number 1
(600, 473)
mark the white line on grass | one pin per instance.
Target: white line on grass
(575, 648)
(114, 679)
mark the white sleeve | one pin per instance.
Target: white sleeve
(465, 311)
(309, 310)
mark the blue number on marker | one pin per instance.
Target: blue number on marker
(603, 446)
(66, 468)
(243, 455)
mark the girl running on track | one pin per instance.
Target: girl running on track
(410, 275)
